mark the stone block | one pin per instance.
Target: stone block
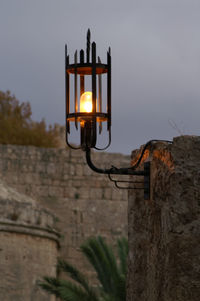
(87, 171)
(96, 193)
(79, 170)
(51, 168)
(164, 240)
(56, 191)
(72, 170)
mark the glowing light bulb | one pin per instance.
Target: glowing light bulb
(86, 102)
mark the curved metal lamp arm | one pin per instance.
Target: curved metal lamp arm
(129, 170)
(123, 171)
(113, 170)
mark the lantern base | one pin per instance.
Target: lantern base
(88, 134)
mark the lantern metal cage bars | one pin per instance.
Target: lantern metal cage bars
(89, 121)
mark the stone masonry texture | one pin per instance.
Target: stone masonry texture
(85, 203)
(164, 232)
(28, 246)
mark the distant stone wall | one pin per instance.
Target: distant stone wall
(28, 247)
(85, 203)
(164, 232)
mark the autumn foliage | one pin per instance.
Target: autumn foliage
(17, 127)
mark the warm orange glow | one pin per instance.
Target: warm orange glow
(86, 102)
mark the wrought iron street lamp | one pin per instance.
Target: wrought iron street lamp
(86, 109)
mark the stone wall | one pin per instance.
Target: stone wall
(164, 232)
(28, 247)
(85, 203)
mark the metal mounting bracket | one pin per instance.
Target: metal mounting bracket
(124, 171)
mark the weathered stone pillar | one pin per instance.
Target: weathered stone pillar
(28, 247)
(164, 232)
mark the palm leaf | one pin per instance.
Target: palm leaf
(73, 292)
(66, 290)
(115, 275)
(110, 273)
(103, 260)
(122, 248)
(77, 276)
(95, 254)
(50, 285)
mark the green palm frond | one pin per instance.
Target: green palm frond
(111, 273)
(77, 276)
(122, 248)
(73, 292)
(109, 255)
(66, 290)
(98, 260)
(103, 261)
(50, 285)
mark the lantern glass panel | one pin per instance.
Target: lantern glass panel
(86, 102)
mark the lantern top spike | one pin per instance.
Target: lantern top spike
(88, 45)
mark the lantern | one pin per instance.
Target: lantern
(85, 108)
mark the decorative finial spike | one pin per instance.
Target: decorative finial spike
(75, 56)
(88, 35)
(88, 45)
(82, 56)
(109, 50)
(66, 57)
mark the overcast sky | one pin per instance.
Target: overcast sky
(155, 61)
